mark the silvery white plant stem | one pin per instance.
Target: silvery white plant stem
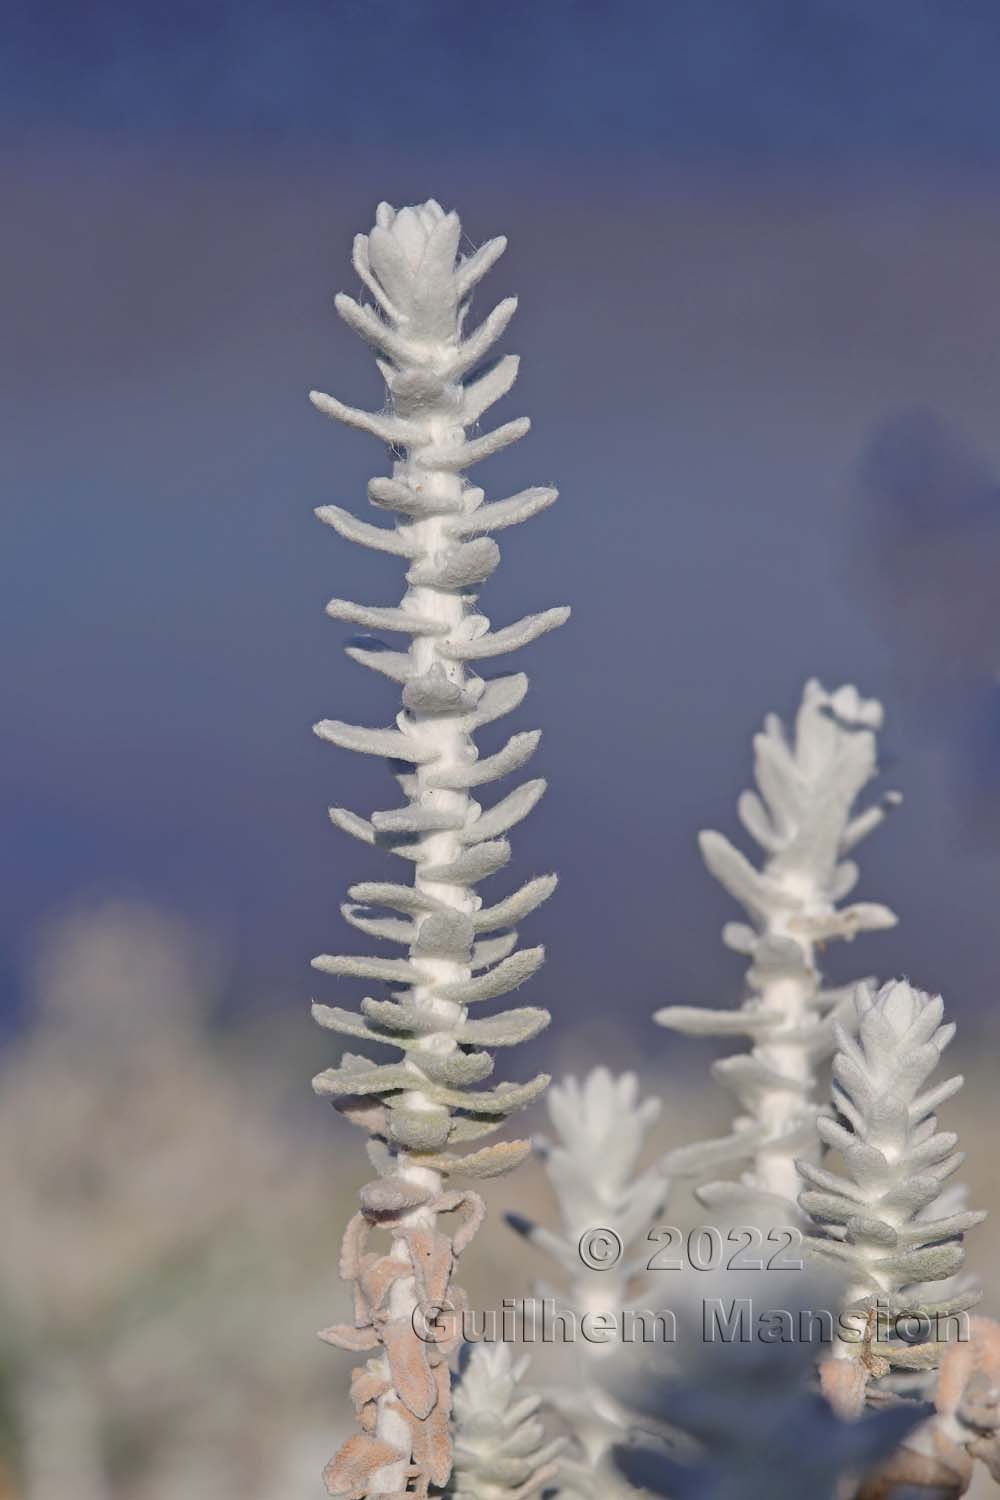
(873, 1220)
(803, 817)
(419, 1109)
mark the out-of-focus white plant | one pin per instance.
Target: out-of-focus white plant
(420, 1109)
(803, 816)
(500, 1450)
(606, 1208)
(600, 1126)
(132, 1297)
(873, 1216)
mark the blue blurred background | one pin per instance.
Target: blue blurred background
(756, 250)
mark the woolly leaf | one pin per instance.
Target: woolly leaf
(491, 1161)
(504, 1030)
(518, 749)
(501, 513)
(510, 638)
(505, 976)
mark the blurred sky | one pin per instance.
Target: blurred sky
(750, 240)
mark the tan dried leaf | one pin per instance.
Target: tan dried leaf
(377, 1276)
(347, 1336)
(352, 1247)
(474, 1209)
(411, 1374)
(977, 1355)
(943, 1474)
(364, 1111)
(368, 1383)
(843, 1383)
(433, 1454)
(431, 1258)
(347, 1474)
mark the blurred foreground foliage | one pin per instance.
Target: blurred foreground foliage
(166, 1254)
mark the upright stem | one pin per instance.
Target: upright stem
(437, 847)
(391, 1425)
(780, 1048)
(418, 1110)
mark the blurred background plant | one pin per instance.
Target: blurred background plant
(166, 1235)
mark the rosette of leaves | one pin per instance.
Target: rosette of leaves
(500, 1448)
(804, 818)
(425, 1109)
(875, 1219)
